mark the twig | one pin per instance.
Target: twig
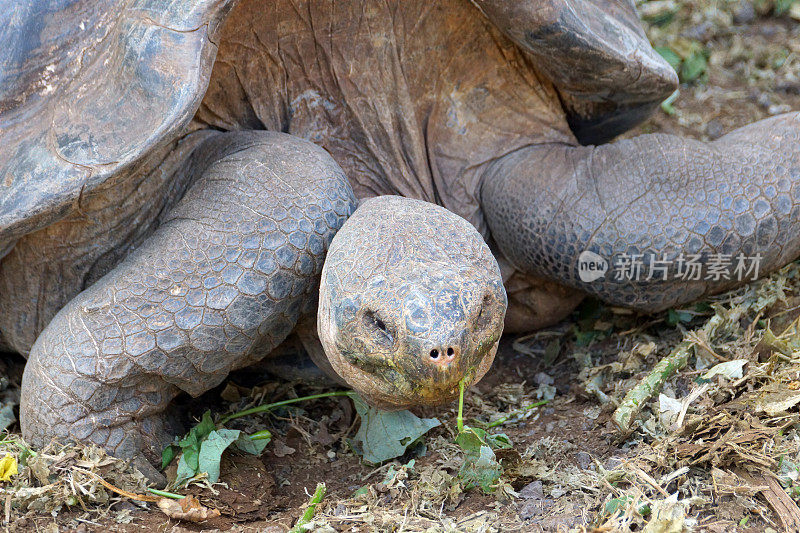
(515, 412)
(270, 406)
(778, 500)
(652, 384)
(165, 494)
(633, 402)
(131, 495)
(460, 417)
(308, 515)
(695, 394)
(650, 481)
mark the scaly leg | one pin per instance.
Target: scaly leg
(219, 285)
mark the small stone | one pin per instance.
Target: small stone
(770, 30)
(584, 460)
(532, 491)
(530, 509)
(745, 13)
(714, 129)
(592, 412)
(543, 378)
(700, 32)
(778, 109)
(125, 505)
(280, 449)
(546, 392)
(764, 100)
(534, 508)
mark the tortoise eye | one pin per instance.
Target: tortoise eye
(378, 326)
(484, 317)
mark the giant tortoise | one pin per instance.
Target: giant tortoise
(184, 183)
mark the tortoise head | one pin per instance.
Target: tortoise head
(411, 302)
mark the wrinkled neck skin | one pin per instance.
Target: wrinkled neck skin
(412, 98)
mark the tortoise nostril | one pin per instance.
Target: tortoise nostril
(443, 356)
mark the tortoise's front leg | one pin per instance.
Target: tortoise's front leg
(221, 283)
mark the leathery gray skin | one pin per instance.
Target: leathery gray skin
(182, 252)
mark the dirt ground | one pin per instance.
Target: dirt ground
(569, 468)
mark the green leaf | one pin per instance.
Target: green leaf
(385, 435)
(670, 56)
(211, 451)
(551, 352)
(361, 491)
(168, 455)
(783, 6)
(612, 506)
(661, 16)
(499, 441)
(585, 338)
(205, 427)
(675, 317)
(185, 472)
(253, 444)
(694, 65)
(480, 469)
(703, 307)
(191, 452)
(471, 440)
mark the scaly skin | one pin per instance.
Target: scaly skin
(220, 283)
(411, 301)
(656, 195)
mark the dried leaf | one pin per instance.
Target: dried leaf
(188, 509)
(281, 449)
(728, 369)
(778, 402)
(668, 409)
(668, 516)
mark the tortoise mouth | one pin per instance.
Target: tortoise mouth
(405, 391)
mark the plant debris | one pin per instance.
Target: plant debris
(188, 509)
